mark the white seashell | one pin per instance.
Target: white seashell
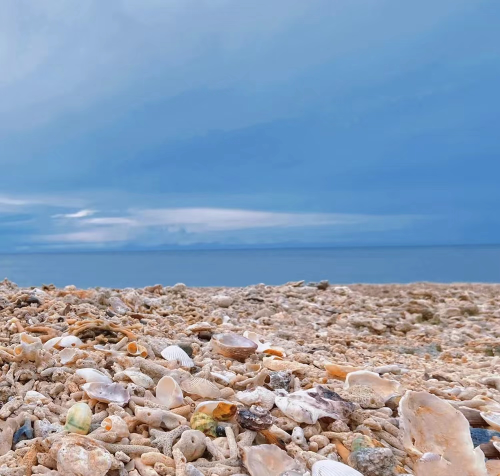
(51, 342)
(492, 418)
(107, 393)
(117, 425)
(133, 348)
(268, 460)
(259, 396)
(384, 387)
(173, 353)
(333, 468)
(224, 376)
(35, 397)
(70, 341)
(70, 355)
(139, 378)
(169, 393)
(29, 348)
(201, 387)
(431, 425)
(93, 375)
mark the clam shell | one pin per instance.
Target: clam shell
(492, 418)
(333, 468)
(173, 353)
(139, 378)
(79, 419)
(133, 348)
(107, 393)
(278, 364)
(93, 375)
(384, 387)
(169, 393)
(201, 387)
(233, 346)
(51, 342)
(340, 371)
(69, 341)
(219, 410)
(267, 460)
(259, 396)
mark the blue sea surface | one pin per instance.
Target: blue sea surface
(245, 267)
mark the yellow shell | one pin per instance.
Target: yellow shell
(204, 423)
(78, 419)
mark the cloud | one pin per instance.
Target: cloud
(79, 214)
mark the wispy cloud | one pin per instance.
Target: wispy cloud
(79, 214)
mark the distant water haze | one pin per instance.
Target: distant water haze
(246, 267)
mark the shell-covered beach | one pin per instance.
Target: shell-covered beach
(299, 379)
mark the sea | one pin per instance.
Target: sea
(247, 267)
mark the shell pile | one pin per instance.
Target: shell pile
(293, 380)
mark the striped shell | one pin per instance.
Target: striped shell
(169, 393)
(201, 387)
(93, 375)
(79, 419)
(173, 353)
(259, 396)
(107, 393)
(333, 468)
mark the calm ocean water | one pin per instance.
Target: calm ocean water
(244, 267)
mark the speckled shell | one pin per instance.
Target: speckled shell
(267, 460)
(133, 348)
(169, 393)
(220, 410)
(107, 393)
(333, 468)
(139, 378)
(254, 421)
(173, 353)
(204, 423)
(492, 418)
(201, 387)
(79, 419)
(233, 346)
(259, 396)
(93, 375)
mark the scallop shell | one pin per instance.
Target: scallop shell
(339, 371)
(69, 341)
(139, 378)
(133, 348)
(492, 418)
(169, 393)
(173, 353)
(431, 425)
(79, 419)
(233, 346)
(93, 375)
(107, 393)
(259, 396)
(219, 410)
(201, 387)
(278, 364)
(117, 425)
(384, 387)
(267, 460)
(333, 468)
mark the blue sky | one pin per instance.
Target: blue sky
(212, 123)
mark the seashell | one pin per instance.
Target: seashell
(268, 460)
(254, 420)
(207, 424)
(69, 341)
(139, 378)
(340, 371)
(78, 455)
(79, 419)
(263, 347)
(280, 380)
(173, 353)
(492, 418)
(70, 355)
(278, 364)
(384, 387)
(169, 393)
(51, 342)
(431, 425)
(219, 410)
(93, 375)
(35, 397)
(224, 376)
(200, 327)
(117, 425)
(307, 406)
(107, 393)
(333, 468)
(259, 396)
(201, 387)
(233, 346)
(29, 348)
(133, 348)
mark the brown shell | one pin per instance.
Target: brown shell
(233, 346)
(254, 421)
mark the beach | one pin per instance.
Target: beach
(260, 380)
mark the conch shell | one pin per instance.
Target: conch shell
(438, 435)
(135, 349)
(268, 460)
(384, 387)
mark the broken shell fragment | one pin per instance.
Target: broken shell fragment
(259, 396)
(79, 419)
(139, 378)
(70, 355)
(93, 375)
(173, 353)
(268, 460)
(278, 364)
(107, 393)
(201, 387)
(233, 346)
(384, 387)
(263, 347)
(169, 393)
(333, 468)
(29, 348)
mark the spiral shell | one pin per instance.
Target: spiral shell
(173, 353)
(79, 419)
(233, 346)
(93, 375)
(107, 393)
(333, 468)
(201, 387)
(169, 393)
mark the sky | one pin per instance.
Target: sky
(218, 123)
